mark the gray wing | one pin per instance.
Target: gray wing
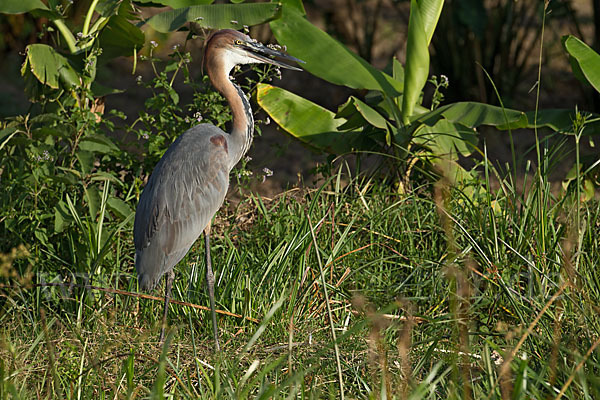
(185, 190)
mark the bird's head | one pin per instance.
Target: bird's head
(227, 48)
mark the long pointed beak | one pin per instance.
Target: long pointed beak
(267, 55)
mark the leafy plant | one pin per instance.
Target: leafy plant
(52, 75)
(391, 116)
(585, 63)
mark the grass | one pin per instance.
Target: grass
(442, 293)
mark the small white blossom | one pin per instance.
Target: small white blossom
(248, 159)
(267, 171)
(198, 116)
(153, 43)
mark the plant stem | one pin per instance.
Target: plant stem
(66, 33)
(88, 18)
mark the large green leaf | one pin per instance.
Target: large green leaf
(430, 11)
(49, 67)
(371, 115)
(175, 3)
(473, 115)
(417, 62)
(295, 4)
(561, 120)
(446, 138)
(306, 121)
(584, 60)
(424, 16)
(119, 37)
(216, 16)
(98, 144)
(119, 207)
(21, 6)
(92, 195)
(327, 58)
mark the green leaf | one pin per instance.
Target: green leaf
(369, 114)
(99, 90)
(5, 135)
(107, 8)
(447, 138)
(21, 6)
(46, 119)
(417, 62)
(45, 132)
(98, 143)
(62, 217)
(105, 176)
(176, 3)
(430, 11)
(561, 120)
(119, 207)
(119, 38)
(86, 160)
(586, 60)
(306, 121)
(215, 16)
(92, 196)
(49, 67)
(295, 4)
(327, 58)
(473, 115)
(398, 72)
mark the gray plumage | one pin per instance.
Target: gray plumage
(189, 183)
(185, 190)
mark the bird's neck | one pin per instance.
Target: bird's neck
(242, 130)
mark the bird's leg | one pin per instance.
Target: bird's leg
(169, 283)
(210, 281)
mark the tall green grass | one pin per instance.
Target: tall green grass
(436, 294)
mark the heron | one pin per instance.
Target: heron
(189, 183)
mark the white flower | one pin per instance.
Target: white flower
(153, 43)
(267, 171)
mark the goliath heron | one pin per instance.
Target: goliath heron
(189, 183)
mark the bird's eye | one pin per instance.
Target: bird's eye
(239, 42)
